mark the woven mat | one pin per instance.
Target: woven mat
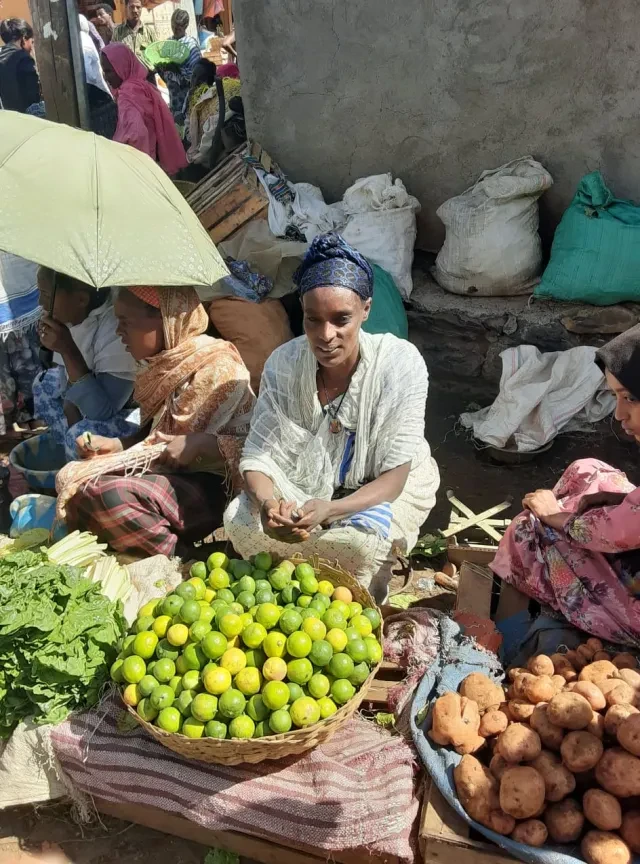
(357, 790)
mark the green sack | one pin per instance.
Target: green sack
(387, 313)
(595, 257)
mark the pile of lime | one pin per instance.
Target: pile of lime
(245, 650)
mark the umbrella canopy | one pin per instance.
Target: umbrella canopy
(101, 212)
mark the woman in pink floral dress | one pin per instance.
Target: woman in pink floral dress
(577, 548)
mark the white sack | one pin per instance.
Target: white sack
(492, 245)
(540, 395)
(381, 225)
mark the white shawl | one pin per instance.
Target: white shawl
(290, 440)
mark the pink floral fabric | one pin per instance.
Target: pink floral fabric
(590, 571)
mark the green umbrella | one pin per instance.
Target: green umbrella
(98, 211)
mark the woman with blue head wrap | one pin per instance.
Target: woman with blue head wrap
(336, 462)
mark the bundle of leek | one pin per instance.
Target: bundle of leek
(77, 550)
(115, 579)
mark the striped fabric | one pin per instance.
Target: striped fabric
(358, 789)
(375, 520)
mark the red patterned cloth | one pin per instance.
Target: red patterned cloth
(359, 789)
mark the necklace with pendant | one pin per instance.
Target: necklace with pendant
(335, 426)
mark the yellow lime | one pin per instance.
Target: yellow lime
(318, 685)
(325, 587)
(280, 721)
(337, 639)
(299, 643)
(274, 669)
(314, 628)
(327, 707)
(374, 650)
(217, 561)
(341, 607)
(304, 601)
(215, 729)
(144, 645)
(268, 615)
(209, 595)
(214, 644)
(200, 586)
(242, 727)
(132, 695)
(274, 644)
(204, 707)
(216, 680)
(218, 578)
(233, 660)
(161, 625)
(275, 695)
(354, 608)
(148, 608)
(362, 624)
(133, 669)
(198, 570)
(305, 712)
(253, 635)
(193, 728)
(162, 697)
(247, 620)
(146, 711)
(177, 634)
(232, 703)
(230, 624)
(248, 681)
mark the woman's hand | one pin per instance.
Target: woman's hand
(542, 503)
(89, 446)
(314, 514)
(277, 521)
(182, 451)
(55, 336)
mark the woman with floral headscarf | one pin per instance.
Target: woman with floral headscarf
(165, 487)
(336, 462)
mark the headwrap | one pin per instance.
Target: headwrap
(147, 294)
(621, 357)
(331, 262)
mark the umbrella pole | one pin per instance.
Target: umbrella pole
(45, 355)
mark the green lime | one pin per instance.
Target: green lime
(247, 583)
(215, 729)
(207, 614)
(133, 669)
(183, 702)
(305, 712)
(322, 598)
(191, 680)
(193, 728)
(309, 613)
(230, 624)
(218, 604)
(362, 624)
(280, 721)
(360, 674)
(199, 630)
(315, 628)
(235, 588)
(182, 667)
(143, 623)
(146, 710)
(288, 566)
(217, 561)
(147, 685)
(262, 729)
(354, 608)
(219, 580)
(162, 697)
(341, 666)
(254, 635)
(299, 644)
(327, 707)
(172, 604)
(289, 593)
(225, 595)
(262, 583)
(290, 621)
(232, 703)
(342, 690)
(373, 615)
(318, 685)
(305, 571)
(194, 656)
(213, 645)
(236, 608)
(116, 670)
(318, 606)
(169, 719)
(189, 611)
(308, 583)
(164, 670)
(357, 650)
(176, 684)
(240, 568)
(352, 634)
(334, 619)
(264, 595)
(186, 590)
(304, 600)
(246, 599)
(255, 657)
(198, 570)
(151, 668)
(295, 691)
(256, 709)
(263, 561)
(204, 707)
(127, 645)
(275, 695)
(268, 615)
(242, 727)
(279, 578)
(299, 671)
(374, 650)
(150, 608)
(342, 608)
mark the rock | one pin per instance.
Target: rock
(609, 319)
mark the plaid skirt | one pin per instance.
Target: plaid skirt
(149, 515)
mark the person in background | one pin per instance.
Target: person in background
(576, 548)
(178, 78)
(90, 388)
(144, 121)
(104, 22)
(103, 114)
(19, 344)
(336, 463)
(196, 404)
(204, 108)
(19, 82)
(133, 33)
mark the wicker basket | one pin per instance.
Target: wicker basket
(234, 751)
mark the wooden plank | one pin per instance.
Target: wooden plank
(474, 590)
(221, 209)
(474, 554)
(378, 693)
(440, 851)
(437, 818)
(264, 851)
(246, 212)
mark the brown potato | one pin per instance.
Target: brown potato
(493, 723)
(602, 810)
(519, 743)
(482, 690)
(618, 772)
(522, 792)
(631, 677)
(559, 661)
(498, 766)
(625, 661)
(594, 644)
(593, 694)
(520, 682)
(629, 734)
(455, 721)
(577, 660)
(564, 821)
(601, 655)
(520, 710)
(558, 682)
(601, 847)
(599, 671)
(584, 652)
(570, 711)
(550, 735)
(513, 673)
(581, 751)
(541, 689)
(558, 780)
(541, 665)
(596, 726)
(478, 793)
(615, 715)
(533, 832)
(631, 830)
(621, 694)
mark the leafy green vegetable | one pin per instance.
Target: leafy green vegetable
(58, 637)
(430, 546)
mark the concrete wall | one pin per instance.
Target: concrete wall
(435, 91)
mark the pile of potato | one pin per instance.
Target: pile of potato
(558, 751)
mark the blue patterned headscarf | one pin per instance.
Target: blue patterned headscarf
(330, 261)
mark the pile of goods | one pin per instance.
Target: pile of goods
(247, 650)
(557, 753)
(58, 631)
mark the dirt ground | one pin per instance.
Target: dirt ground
(477, 481)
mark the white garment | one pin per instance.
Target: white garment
(92, 67)
(540, 395)
(100, 346)
(19, 308)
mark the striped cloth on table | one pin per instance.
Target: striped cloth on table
(356, 790)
